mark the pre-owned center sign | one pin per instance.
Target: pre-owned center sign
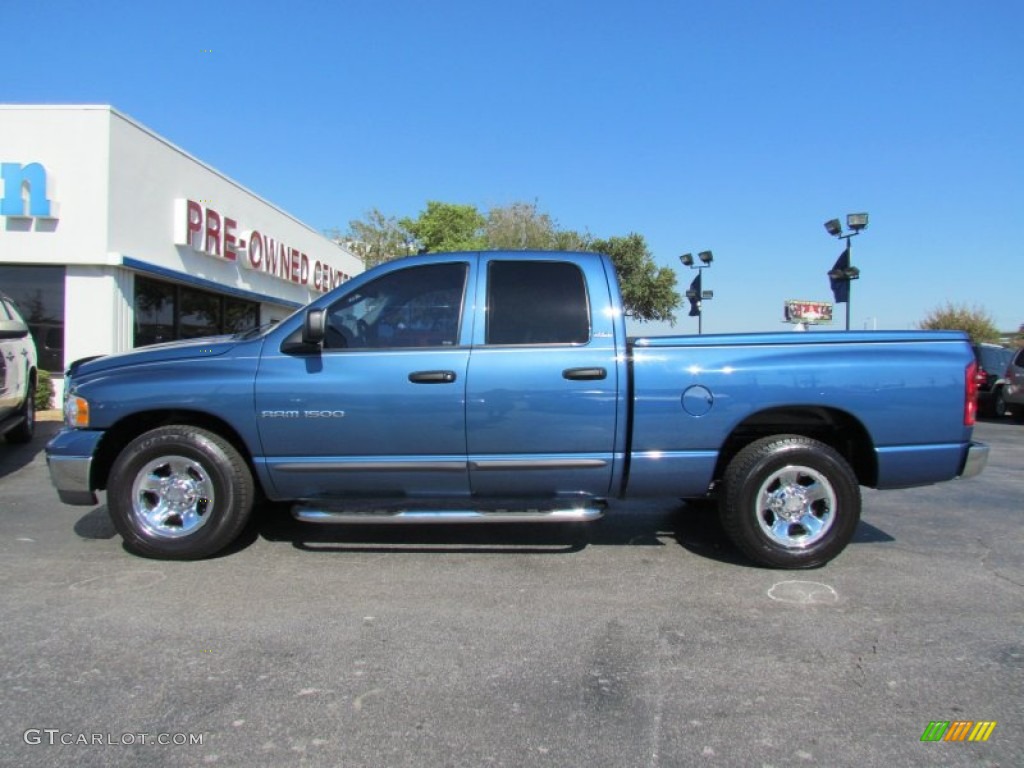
(206, 230)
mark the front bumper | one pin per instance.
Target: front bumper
(977, 457)
(69, 458)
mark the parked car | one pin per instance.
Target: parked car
(18, 372)
(1013, 392)
(993, 361)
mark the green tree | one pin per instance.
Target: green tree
(959, 317)
(377, 238)
(447, 227)
(571, 240)
(648, 291)
(520, 227)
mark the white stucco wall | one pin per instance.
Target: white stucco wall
(148, 176)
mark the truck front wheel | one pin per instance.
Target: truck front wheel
(24, 431)
(180, 493)
(790, 502)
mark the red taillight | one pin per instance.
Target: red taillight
(971, 395)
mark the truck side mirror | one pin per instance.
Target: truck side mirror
(13, 329)
(314, 328)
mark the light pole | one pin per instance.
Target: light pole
(842, 272)
(696, 294)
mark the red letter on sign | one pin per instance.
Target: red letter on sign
(194, 214)
(229, 239)
(212, 244)
(255, 244)
(283, 263)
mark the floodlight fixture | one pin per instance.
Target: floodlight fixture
(696, 297)
(850, 273)
(856, 221)
(841, 276)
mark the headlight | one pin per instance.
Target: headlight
(76, 412)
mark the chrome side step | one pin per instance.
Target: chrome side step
(406, 513)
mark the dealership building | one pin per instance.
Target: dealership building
(112, 237)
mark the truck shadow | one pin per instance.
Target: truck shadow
(695, 529)
(277, 525)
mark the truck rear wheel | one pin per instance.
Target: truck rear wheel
(790, 502)
(179, 493)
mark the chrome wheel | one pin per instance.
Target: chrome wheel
(172, 496)
(179, 492)
(790, 501)
(796, 506)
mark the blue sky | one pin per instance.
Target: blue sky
(738, 127)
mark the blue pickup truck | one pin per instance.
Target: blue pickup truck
(501, 386)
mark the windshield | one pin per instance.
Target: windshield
(252, 333)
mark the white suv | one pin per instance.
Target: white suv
(18, 372)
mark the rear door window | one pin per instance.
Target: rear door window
(537, 302)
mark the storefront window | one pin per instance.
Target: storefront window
(200, 314)
(154, 312)
(167, 311)
(39, 294)
(240, 315)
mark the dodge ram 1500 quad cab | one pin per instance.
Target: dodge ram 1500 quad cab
(501, 386)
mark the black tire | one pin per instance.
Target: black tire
(179, 493)
(26, 429)
(998, 404)
(790, 502)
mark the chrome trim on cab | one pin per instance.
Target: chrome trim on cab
(371, 466)
(486, 465)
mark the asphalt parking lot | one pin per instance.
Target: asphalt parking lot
(644, 640)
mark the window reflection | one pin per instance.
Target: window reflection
(167, 312)
(38, 292)
(415, 307)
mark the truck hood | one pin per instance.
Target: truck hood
(210, 346)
